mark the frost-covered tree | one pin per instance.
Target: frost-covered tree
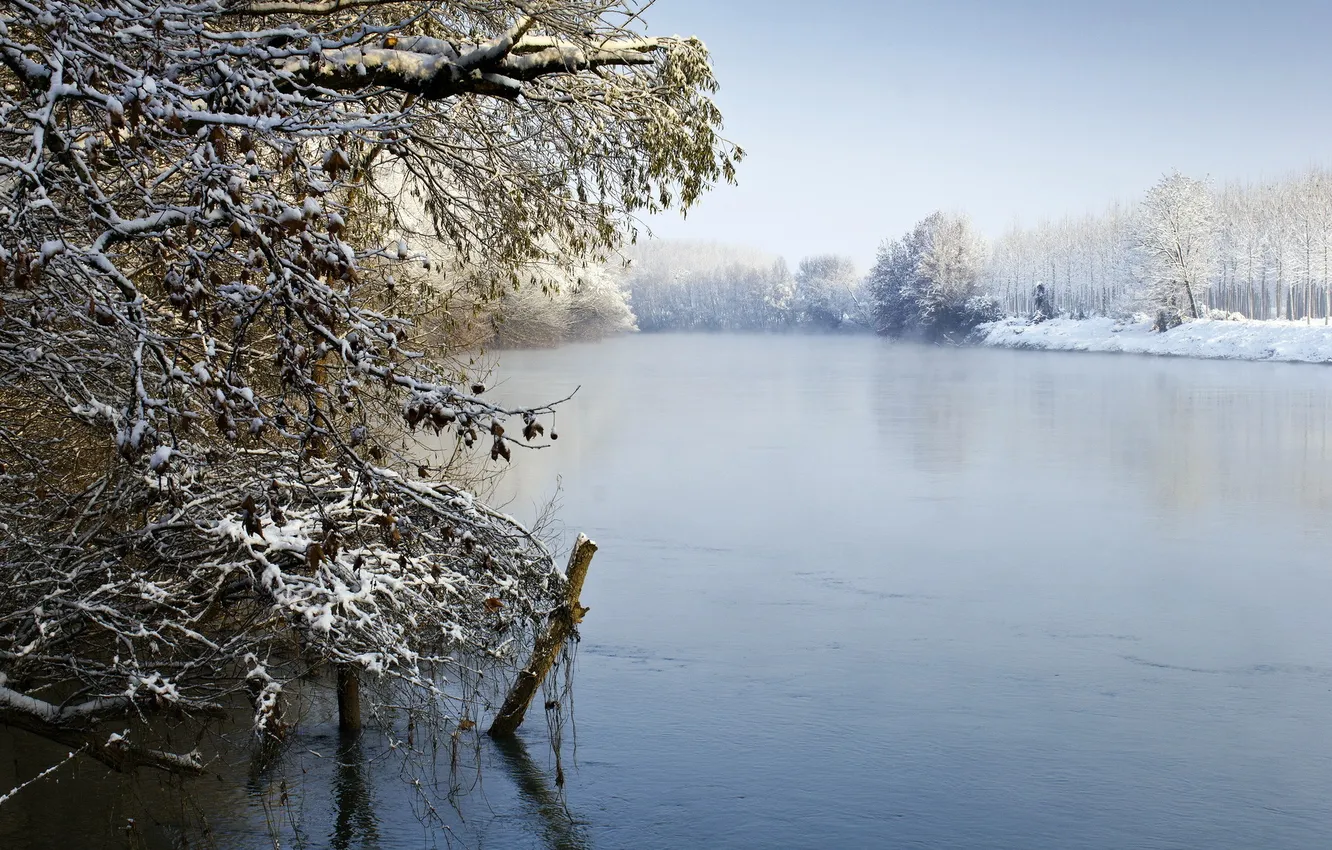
(598, 304)
(1041, 308)
(951, 297)
(825, 291)
(1084, 265)
(1270, 255)
(1311, 238)
(681, 285)
(928, 282)
(1177, 237)
(894, 283)
(557, 305)
(212, 351)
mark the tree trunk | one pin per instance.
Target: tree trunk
(562, 624)
(1193, 305)
(349, 700)
(1253, 310)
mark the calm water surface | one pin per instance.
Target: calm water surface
(852, 594)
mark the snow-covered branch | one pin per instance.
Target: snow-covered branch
(77, 729)
(9, 795)
(278, 7)
(213, 362)
(489, 69)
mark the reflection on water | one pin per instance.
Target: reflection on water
(319, 790)
(355, 824)
(559, 829)
(1188, 434)
(852, 594)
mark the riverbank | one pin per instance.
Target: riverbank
(1282, 341)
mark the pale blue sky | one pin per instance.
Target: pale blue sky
(862, 117)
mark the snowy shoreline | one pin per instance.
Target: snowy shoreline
(1277, 341)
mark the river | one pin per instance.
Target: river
(858, 594)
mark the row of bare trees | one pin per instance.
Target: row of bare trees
(1186, 249)
(1261, 250)
(681, 286)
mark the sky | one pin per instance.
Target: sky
(859, 118)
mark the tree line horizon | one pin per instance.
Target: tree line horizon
(1259, 251)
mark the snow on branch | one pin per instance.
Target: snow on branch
(490, 69)
(215, 365)
(115, 751)
(9, 795)
(327, 7)
(498, 47)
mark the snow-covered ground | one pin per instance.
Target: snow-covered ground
(1217, 339)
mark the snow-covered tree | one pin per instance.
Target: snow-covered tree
(894, 283)
(683, 285)
(598, 305)
(825, 290)
(558, 305)
(1270, 254)
(951, 297)
(1177, 237)
(212, 347)
(929, 281)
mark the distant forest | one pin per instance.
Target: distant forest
(1185, 250)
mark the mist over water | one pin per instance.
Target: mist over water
(858, 594)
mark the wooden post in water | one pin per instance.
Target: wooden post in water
(349, 700)
(548, 646)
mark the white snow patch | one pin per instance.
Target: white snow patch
(161, 457)
(1283, 341)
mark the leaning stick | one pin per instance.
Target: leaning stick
(562, 623)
